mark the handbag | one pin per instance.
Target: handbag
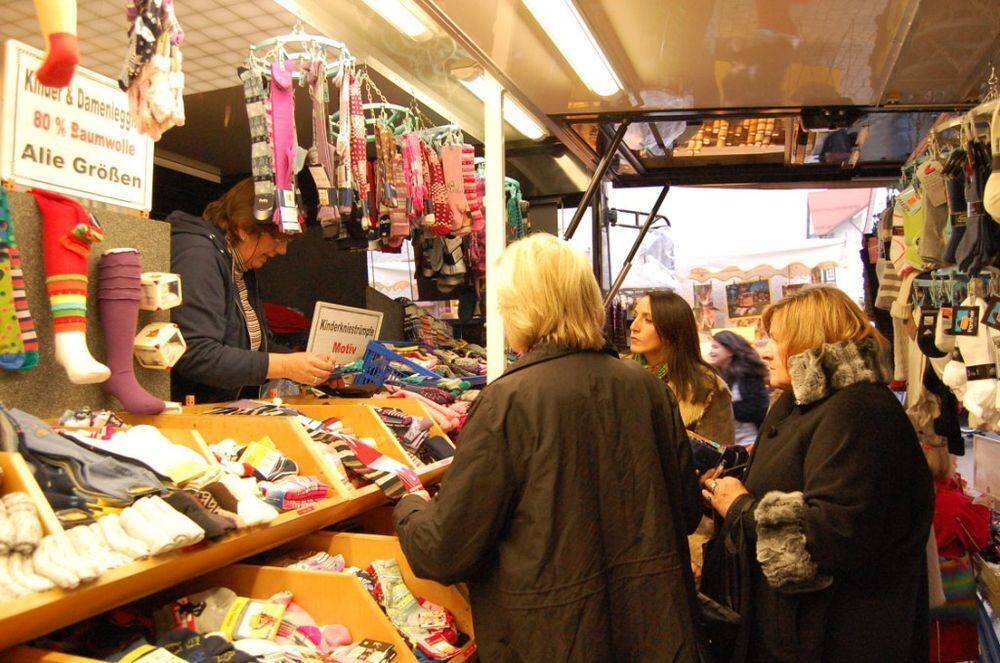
(725, 598)
(959, 583)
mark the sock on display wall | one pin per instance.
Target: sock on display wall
(26, 324)
(11, 345)
(118, 291)
(57, 19)
(68, 231)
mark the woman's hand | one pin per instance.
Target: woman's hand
(303, 367)
(721, 493)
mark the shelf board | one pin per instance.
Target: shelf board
(44, 612)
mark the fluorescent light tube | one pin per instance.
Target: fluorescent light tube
(513, 113)
(402, 17)
(563, 24)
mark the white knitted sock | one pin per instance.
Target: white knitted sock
(11, 585)
(119, 540)
(149, 532)
(164, 522)
(21, 569)
(46, 565)
(88, 547)
(23, 516)
(119, 558)
(249, 506)
(187, 528)
(6, 531)
(65, 553)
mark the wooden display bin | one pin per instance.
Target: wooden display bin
(44, 612)
(376, 521)
(288, 435)
(357, 417)
(410, 406)
(17, 477)
(361, 549)
(331, 598)
(362, 421)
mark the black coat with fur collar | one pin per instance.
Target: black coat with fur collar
(839, 514)
(566, 510)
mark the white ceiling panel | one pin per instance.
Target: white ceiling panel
(216, 38)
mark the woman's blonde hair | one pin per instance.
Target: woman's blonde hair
(816, 315)
(548, 294)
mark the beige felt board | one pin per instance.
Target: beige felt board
(45, 391)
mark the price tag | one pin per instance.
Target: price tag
(966, 321)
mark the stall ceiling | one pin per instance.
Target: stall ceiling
(692, 56)
(747, 53)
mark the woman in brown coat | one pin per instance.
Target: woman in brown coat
(568, 501)
(665, 336)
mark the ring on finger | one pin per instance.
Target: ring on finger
(711, 484)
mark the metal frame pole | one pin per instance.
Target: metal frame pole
(616, 286)
(595, 182)
(496, 238)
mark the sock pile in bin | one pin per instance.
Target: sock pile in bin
(216, 626)
(352, 454)
(429, 628)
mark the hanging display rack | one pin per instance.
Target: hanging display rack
(309, 48)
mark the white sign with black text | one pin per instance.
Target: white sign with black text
(343, 331)
(79, 140)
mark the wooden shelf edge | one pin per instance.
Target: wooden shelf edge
(45, 612)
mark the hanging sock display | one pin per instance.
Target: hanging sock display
(12, 350)
(118, 292)
(441, 222)
(152, 74)
(413, 170)
(359, 152)
(11, 344)
(261, 156)
(322, 154)
(25, 323)
(451, 164)
(282, 110)
(345, 182)
(57, 19)
(68, 231)
(954, 171)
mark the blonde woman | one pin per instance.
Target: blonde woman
(837, 502)
(568, 502)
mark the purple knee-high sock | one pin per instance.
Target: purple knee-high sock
(118, 293)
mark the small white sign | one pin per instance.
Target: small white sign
(79, 140)
(343, 331)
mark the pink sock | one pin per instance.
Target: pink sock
(118, 294)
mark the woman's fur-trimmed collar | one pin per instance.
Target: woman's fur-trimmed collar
(817, 373)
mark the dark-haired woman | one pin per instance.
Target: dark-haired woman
(665, 335)
(229, 349)
(744, 372)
